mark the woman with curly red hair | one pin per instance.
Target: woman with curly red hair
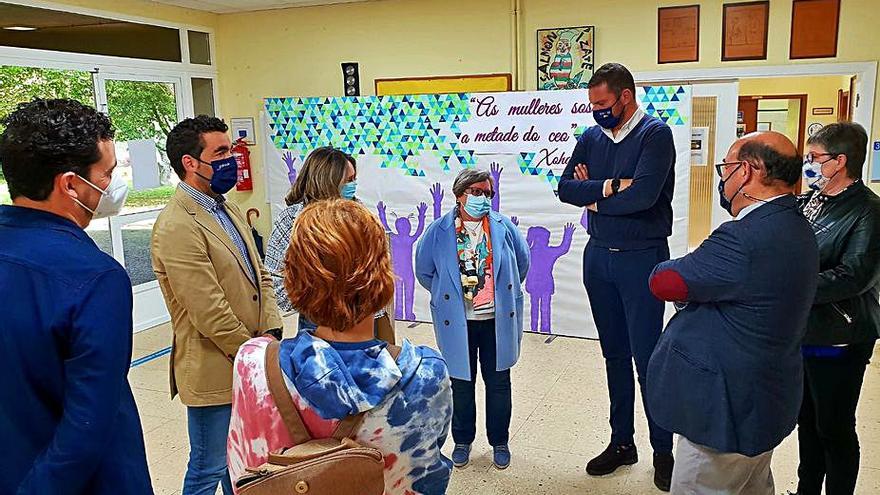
(338, 273)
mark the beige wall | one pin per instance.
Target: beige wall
(296, 52)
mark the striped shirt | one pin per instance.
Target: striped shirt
(216, 209)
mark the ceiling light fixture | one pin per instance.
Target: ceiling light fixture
(20, 28)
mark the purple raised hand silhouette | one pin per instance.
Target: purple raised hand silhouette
(402, 243)
(495, 169)
(539, 283)
(515, 220)
(291, 170)
(585, 220)
(437, 196)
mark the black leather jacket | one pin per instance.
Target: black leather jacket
(846, 309)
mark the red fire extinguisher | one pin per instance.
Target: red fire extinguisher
(243, 159)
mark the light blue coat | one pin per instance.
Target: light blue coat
(437, 271)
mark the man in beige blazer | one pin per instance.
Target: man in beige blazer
(216, 288)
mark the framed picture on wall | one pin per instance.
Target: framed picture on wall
(565, 57)
(814, 28)
(765, 126)
(678, 34)
(744, 31)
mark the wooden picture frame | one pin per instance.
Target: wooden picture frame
(469, 83)
(811, 34)
(744, 31)
(678, 34)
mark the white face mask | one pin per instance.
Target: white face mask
(112, 198)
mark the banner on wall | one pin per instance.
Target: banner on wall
(410, 148)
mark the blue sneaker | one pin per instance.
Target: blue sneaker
(461, 455)
(501, 456)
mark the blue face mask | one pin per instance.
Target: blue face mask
(725, 203)
(348, 189)
(606, 117)
(225, 174)
(477, 207)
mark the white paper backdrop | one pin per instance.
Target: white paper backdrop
(404, 145)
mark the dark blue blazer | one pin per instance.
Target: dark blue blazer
(68, 420)
(727, 373)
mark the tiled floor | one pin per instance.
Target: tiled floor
(559, 422)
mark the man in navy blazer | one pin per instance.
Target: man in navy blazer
(727, 373)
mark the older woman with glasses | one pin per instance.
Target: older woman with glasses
(474, 261)
(845, 317)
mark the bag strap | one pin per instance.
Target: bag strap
(394, 350)
(348, 427)
(283, 401)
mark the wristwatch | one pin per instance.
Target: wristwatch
(615, 186)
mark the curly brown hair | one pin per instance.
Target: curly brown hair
(338, 268)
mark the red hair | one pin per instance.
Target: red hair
(338, 268)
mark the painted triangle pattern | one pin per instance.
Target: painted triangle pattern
(397, 128)
(663, 102)
(528, 166)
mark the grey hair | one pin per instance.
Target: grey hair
(468, 177)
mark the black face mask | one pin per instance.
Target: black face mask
(725, 203)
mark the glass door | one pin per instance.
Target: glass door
(143, 111)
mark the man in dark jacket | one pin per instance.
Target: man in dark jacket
(845, 317)
(68, 419)
(727, 373)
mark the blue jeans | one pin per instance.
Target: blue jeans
(499, 405)
(208, 429)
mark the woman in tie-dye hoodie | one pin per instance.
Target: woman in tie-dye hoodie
(339, 274)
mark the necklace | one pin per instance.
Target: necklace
(475, 234)
(474, 230)
(842, 190)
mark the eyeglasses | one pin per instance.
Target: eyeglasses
(811, 157)
(719, 167)
(474, 191)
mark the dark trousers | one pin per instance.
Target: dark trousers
(629, 320)
(827, 440)
(481, 344)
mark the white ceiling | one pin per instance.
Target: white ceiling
(228, 6)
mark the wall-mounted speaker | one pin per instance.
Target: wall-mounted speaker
(351, 81)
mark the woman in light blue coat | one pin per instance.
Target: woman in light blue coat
(474, 262)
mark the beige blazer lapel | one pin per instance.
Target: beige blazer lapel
(209, 223)
(245, 231)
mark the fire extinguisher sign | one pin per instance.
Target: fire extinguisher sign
(243, 129)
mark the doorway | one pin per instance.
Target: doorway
(786, 114)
